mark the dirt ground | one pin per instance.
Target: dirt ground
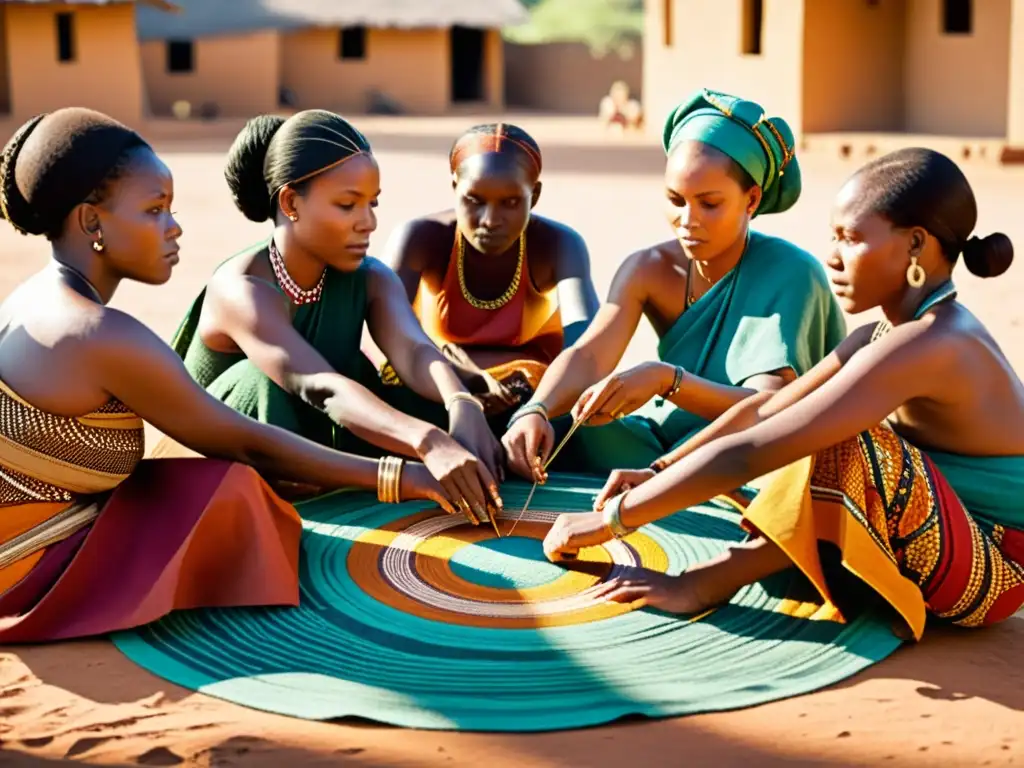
(955, 699)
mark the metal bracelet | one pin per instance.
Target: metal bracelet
(613, 519)
(677, 382)
(526, 410)
(464, 397)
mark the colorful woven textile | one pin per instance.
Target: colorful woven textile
(410, 617)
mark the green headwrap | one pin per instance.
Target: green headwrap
(763, 146)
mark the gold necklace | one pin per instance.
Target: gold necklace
(513, 287)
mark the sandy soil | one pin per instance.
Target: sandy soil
(955, 699)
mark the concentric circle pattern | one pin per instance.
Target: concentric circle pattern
(415, 618)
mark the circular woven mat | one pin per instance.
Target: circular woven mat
(411, 617)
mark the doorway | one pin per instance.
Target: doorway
(467, 53)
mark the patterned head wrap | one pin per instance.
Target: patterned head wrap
(763, 146)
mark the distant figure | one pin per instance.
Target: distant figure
(619, 111)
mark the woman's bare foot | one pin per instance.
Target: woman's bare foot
(704, 586)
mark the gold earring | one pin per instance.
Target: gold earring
(293, 216)
(915, 273)
(97, 244)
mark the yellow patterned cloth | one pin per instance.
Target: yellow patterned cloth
(899, 527)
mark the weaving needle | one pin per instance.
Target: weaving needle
(529, 498)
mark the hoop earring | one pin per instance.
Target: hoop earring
(915, 273)
(97, 244)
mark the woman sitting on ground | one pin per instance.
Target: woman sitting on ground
(276, 333)
(499, 289)
(904, 448)
(92, 539)
(736, 311)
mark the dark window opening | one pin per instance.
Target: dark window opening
(65, 37)
(753, 17)
(352, 43)
(467, 64)
(180, 56)
(957, 17)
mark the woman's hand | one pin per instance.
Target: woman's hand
(418, 483)
(620, 481)
(467, 483)
(468, 426)
(528, 443)
(572, 532)
(622, 393)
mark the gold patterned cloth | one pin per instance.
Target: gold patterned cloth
(52, 469)
(900, 528)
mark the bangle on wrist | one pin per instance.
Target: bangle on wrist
(530, 408)
(389, 479)
(612, 517)
(462, 397)
(677, 382)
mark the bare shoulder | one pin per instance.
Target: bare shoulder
(552, 234)
(379, 276)
(419, 243)
(119, 338)
(943, 341)
(238, 294)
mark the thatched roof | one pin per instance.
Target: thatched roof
(207, 18)
(166, 5)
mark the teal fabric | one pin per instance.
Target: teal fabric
(764, 147)
(991, 488)
(344, 653)
(773, 311)
(334, 327)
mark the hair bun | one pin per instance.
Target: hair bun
(988, 256)
(244, 168)
(13, 205)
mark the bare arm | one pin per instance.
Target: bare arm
(765, 403)
(256, 318)
(910, 363)
(399, 335)
(577, 298)
(600, 348)
(144, 373)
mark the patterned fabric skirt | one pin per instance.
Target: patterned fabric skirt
(899, 528)
(177, 533)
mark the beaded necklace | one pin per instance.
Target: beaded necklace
(292, 290)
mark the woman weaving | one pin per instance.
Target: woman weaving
(499, 289)
(904, 448)
(276, 333)
(736, 311)
(92, 539)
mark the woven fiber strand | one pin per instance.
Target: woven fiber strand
(412, 618)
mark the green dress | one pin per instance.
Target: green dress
(774, 310)
(334, 327)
